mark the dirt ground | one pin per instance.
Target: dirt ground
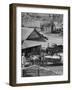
(42, 71)
(57, 69)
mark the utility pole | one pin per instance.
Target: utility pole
(52, 22)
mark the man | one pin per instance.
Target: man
(23, 60)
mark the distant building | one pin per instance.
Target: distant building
(46, 28)
(58, 27)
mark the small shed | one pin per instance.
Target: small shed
(31, 47)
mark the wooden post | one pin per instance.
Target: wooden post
(38, 72)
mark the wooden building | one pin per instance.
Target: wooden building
(31, 48)
(46, 28)
(31, 41)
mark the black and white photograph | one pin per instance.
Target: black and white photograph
(41, 44)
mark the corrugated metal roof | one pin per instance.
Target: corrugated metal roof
(29, 43)
(26, 32)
